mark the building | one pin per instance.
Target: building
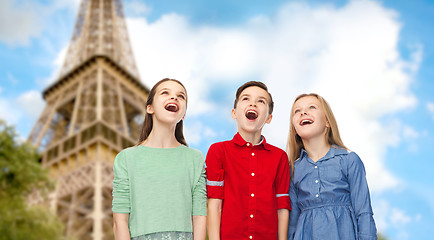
(93, 110)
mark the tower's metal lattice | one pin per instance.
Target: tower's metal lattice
(93, 111)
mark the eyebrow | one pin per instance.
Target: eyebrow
(248, 95)
(182, 92)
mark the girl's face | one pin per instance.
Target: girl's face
(169, 104)
(309, 119)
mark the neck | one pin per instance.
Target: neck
(316, 148)
(162, 136)
(252, 137)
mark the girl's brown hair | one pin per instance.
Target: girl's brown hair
(148, 123)
(295, 144)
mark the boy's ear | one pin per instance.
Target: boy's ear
(233, 114)
(149, 109)
(269, 119)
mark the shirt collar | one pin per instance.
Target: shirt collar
(238, 140)
(333, 151)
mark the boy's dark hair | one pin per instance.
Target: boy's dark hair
(254, 84)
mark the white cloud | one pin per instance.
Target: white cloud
(31, 103)
(195, 132)
(135, 7)
(57, 64)
(349, 55)
(399, 218)
(430, 107)
(8, 112)
(409, 133)
(393, 219)
(22, 111)
(19, 23)
(12, 80)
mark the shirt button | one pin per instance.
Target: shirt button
(251, 237)
(251, 215)
(316, 166)
(253, 154)
(253, 174)
(248, 144)
(316, 181)
(252, 194)
(316, 195)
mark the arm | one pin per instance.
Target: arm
(121, 198)
(215, 190)
(295, 212)
(214, 218)
(120, 226)
(283, 200)
(282, 226)
(199, 203)
(360, 198)
(199, 227)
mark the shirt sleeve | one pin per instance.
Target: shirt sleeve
(295, 211)
(282, 183)
(121, 187)
(215, 173)
(199, 191)
(360, 198)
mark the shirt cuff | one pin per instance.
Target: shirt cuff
(283, 201)
(215, 192)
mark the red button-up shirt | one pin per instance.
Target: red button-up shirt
(253, 182)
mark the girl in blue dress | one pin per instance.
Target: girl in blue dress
(329, 193)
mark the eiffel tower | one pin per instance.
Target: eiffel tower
(94, 109)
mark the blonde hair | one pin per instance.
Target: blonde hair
(295, 144)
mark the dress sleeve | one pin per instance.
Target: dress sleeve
(215, 181)
(121, 187)
(295, 211)
(360, 198)
(199, 191)
(282, 183)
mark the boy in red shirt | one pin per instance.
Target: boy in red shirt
(247, 178)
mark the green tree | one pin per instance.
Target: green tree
(20, 175)
(381, 236)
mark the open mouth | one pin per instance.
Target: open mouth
(306, 122)
(251, 115)
(171, 107)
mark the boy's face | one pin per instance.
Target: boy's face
(252, 110)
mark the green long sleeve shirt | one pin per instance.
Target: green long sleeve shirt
(161, 188)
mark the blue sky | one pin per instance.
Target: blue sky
(372, 60)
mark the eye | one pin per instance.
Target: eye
(261, 101)
(297, 111)
(181, 96)
(164, 92)
(244, 98)
(312, 107)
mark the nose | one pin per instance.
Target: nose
(174, 98)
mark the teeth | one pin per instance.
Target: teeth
(251, 115)
(171, 107)
(306, 121)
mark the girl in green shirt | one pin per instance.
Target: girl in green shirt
(159, 185)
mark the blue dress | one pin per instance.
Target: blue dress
(330, 198)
